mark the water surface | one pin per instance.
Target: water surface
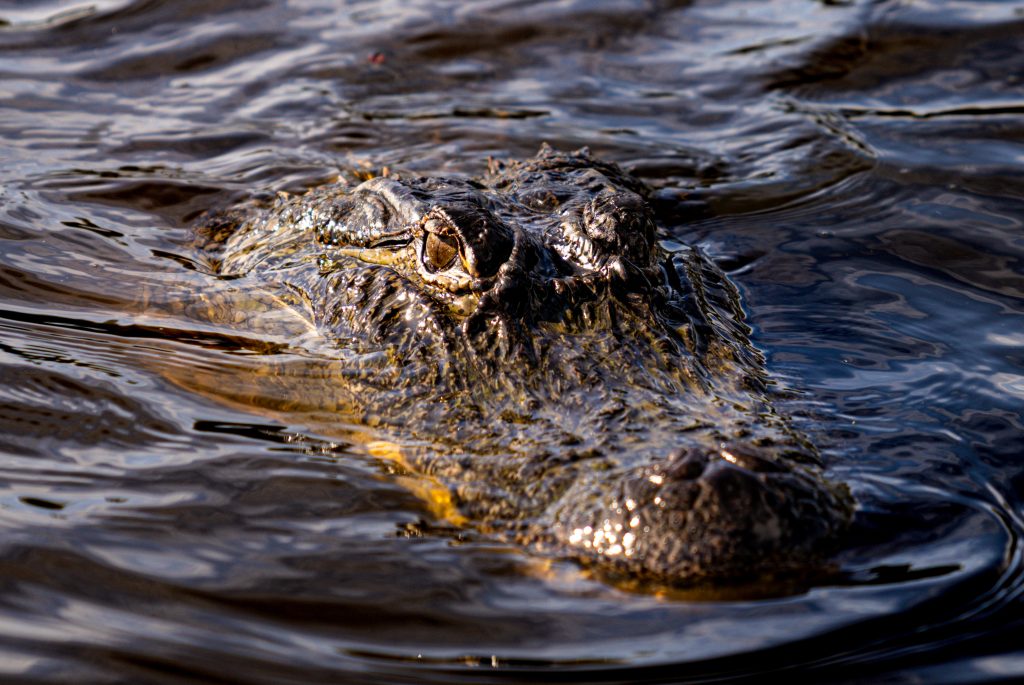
(857, 166)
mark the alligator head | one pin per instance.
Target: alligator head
(574, 384)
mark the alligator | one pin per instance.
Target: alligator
(537, 347)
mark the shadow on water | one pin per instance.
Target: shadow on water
(856, 166)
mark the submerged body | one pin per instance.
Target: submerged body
(530, 346)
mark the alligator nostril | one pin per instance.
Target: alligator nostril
(748, 458)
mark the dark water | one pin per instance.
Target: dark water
(859, 166)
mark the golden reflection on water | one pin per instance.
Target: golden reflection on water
(437, 498)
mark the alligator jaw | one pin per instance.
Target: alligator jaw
(383, 256)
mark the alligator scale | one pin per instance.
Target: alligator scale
(531, 348)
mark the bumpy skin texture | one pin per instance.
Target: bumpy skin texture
(530, 346)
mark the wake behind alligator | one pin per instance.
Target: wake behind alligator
(530, 346)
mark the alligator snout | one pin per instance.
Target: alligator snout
(735, 511)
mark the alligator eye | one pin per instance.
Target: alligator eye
(439, 251)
